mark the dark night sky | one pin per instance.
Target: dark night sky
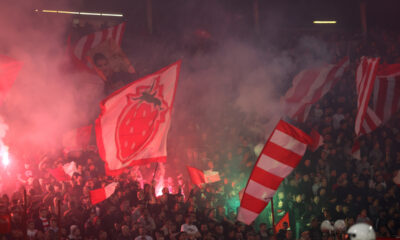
(285, 13)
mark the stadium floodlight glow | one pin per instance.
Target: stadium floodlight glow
(80, 13)
(90, 14)
(325, 22)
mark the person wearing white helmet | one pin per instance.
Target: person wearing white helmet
(361, 231)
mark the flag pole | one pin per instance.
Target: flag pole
(273, 215)
(59, 217)
(25, 213)
(154, 174)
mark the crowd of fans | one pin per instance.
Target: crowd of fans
(329, 184)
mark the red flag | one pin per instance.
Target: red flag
(365, 78)
(65, 172)
(281, 154)
(279, 225)
(101, 194)
(9, 69)
(199, 177)
(396, 178)
(77, 139)
(317, 140)
(133, 126)
(80, 49)
(309, 86)
(355, 150)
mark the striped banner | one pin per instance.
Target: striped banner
(309, 86)
(80, 49)
(365, 78)
(281, 154)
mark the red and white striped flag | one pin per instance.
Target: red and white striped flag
(133, 126)
(317, 140)
(281, 154)
(199, 177)
(365, 78)
(65, 172)
(81, 48)
(355, 150)
(371, 121)
(385, 97)
(309, 86)
(386, 94)
(101, 194)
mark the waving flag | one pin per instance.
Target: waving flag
(385, 98)
(386, 95)
(281, 154)
(371, 122)
(81, 48)
(365, 78)
(133, 126)
(9, 69)
(317, 140)
(101, 194)
(309, 86)
(280, 225)
(199, 177)
(65, 172)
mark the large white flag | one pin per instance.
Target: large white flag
(133, 126)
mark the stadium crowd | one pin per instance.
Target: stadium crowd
(329, 184)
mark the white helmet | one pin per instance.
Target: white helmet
(361, 231)
(326, 226)
(340, 225)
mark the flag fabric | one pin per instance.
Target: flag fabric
(77, 139)
(116, 60)
(365, 78)
(355, 150)
(386, 93)
(385, 98)
(9, 69)
(371, 122)
(396, 178)
(211, 176)
(281, 154)
(65, 172)
(101, 194)
(309, 86)
(133, 126)
(80, 49)
(200, 177)
(317, 140)
(280, 224)
(241, 192)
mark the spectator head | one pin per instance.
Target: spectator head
(43, 212)
(102, 64)
(103, 235)
(182, 236)
(74, 231)
(125, 230)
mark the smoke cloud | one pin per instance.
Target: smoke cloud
(48, 98)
